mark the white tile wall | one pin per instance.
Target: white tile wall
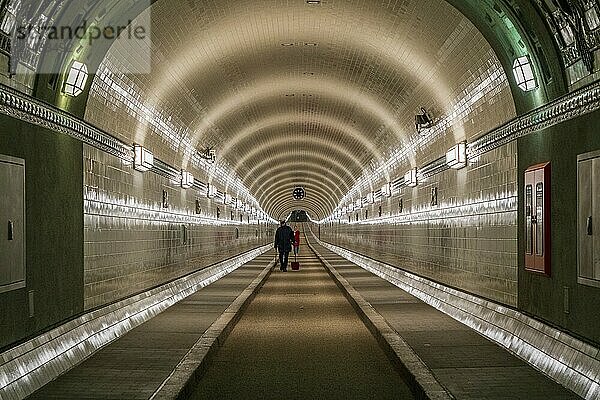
(468, 241)
(132, 244)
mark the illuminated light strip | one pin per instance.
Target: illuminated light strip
(494, 79)
(116, 209)
(570, 106)
(567, 360)
(176, 136)
(30, 366)
(474, 209)
(503, 203)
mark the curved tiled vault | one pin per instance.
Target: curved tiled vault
(297, 94)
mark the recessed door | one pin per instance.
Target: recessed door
(588, 219)
(12, 223)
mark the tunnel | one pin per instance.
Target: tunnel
(302, 199)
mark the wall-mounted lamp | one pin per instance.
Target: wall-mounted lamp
(370, 198)
(456, 157)
(423, 120)
(523, 72)
(410, 178)
(76, 79)
(187, 179)
(227, 199)
(143, 160)
(212, 192)
(386, 190)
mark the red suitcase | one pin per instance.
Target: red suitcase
(295, 265)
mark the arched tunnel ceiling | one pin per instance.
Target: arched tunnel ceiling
(296, 94)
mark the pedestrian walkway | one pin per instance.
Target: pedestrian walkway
(135, 366)
(468, 365)
(301, 339)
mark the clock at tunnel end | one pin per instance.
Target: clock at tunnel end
(299, 193)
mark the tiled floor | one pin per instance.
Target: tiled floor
(468, 365)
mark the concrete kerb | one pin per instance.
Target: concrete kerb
(417, 375)
(181, 383)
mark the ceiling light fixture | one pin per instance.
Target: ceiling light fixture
(143, 160)
(523, 72)
(76, 79)
(410, 178)
(358, 204)
(386, 190)
(456, 157)
(187, 180)
(211, 192)
(210, 155)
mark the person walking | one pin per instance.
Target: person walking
(296, 240)
(284, 237)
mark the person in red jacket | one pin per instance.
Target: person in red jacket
(296, 240)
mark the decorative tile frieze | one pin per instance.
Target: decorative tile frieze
(571, 106)
(28, 109)
(31, 110)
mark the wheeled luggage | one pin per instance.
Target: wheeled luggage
(295, 264)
